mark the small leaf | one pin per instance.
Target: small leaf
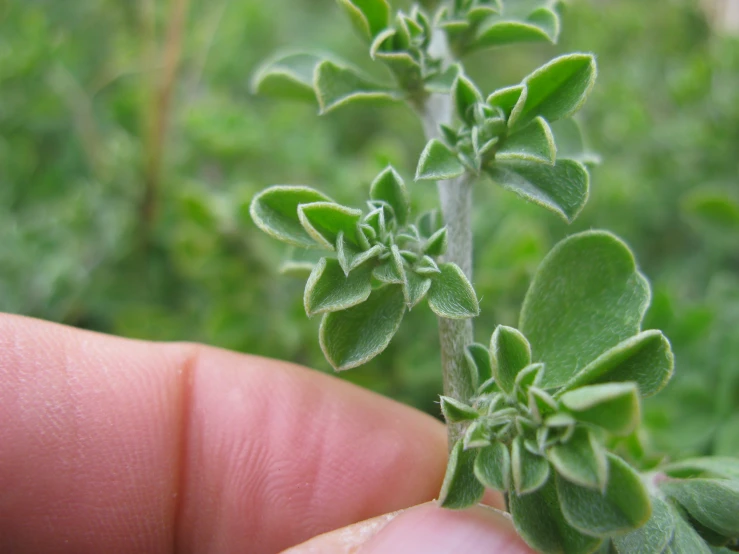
(479, 363)
(547, 20)
(613, 406)
(465, 96)
(511, 100)
(586, 297)
(539, 520)
(714, 503)
(387, 272)
(530, 471)
(559, 88)
(493, 466)
(436, 244)
(416, 289)
(287, 76)
(476, 436)
(461, 488)
(502, 32)
(389, 187)
(533, 143)
(438, 162)
(336, 86)
(369, 17)
(510, 354)
(427, 266)
(455, 410)
(562, 188)
(581, 460)
(654, 536)
(428, 223)
(451, 295)
(528, 377)
(352, 337)
(323, 221)
(275, 211)
(329, 290)
(299, 262)
(623, 507)
(645, 358)
(349, 258)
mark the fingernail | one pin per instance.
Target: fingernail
(428, 529)
(347, 540)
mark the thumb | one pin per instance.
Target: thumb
(423, 529)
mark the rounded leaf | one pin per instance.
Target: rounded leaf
(493, 466)
(510, 354)
(586, 297)
(460, 489)
(275, 211)
(451, 295)
(352, 337)
(622, 507)
(328, 289)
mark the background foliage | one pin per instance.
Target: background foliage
(109, 223)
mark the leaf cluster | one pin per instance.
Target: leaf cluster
(552, 396)
(374, 266)
(511, 138)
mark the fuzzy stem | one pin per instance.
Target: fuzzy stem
(455, 197)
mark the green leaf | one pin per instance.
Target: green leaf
(714, 466)
(464, 97)
(562, 188)
(337, 86)
(539, 520)
(685, 540)
(479, 363)
(461, 488)
(428, 223)
(323, 221)
(436, 244)
(533, 143)
(427, 266)
(456, 411)
(451, 295)
(581, 460)
(352, 337)
(328, 289)
(349, 258)
(586, 297)
(501, 32)
(654, 536)
(558, 89)
(613, 406)
(299, 262)
(547, 20)
(493, 466)
(416, 289)
(623, 506)
(511, 100)
(476, 436)
(389, 187)
(369, 17)
(275, 211)
(438, 162)
(529, 471)
(510, 354)
(645, 358)
(287, 76)
(714, 503)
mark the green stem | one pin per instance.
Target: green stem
(455, 197)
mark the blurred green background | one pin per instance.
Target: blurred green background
(130, 146)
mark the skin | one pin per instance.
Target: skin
(113, 445)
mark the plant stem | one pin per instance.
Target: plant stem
(455, 197)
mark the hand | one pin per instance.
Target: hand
(112, 445)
